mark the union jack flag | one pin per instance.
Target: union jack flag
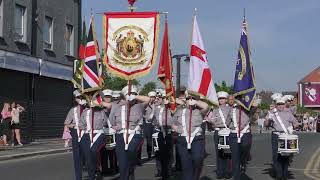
(91, 78)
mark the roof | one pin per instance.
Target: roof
(313, 76)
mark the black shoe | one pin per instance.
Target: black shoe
(228, 176)
(139, 163)
(243, 168)
(158, 174)
(220, 177)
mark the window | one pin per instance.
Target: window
(48, 32)
(1, 18)
(20, 25)
(69, 40)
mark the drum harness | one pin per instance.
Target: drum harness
(163, 130)
(235, 124)
(185, 132)
(123, 124)
(281, 122)
(151, 114)
(90, 128)
(223, 119)
(76, 119)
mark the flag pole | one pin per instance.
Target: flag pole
(166, 106)
(131, 8)
(190, 108)
(128, 115)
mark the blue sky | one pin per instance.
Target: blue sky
(284, 35)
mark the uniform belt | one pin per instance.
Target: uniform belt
(277, 132)
(168, 130)
(235, 131)
(148, 122)
(96, 131)
(184, 135)
(218, 128)
(130, 131)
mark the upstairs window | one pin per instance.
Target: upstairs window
(69, 40)
(1, 18)
(48, 33)
(20, 25)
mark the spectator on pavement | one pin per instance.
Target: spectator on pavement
(260, 124)
(305, 122)
(318, 123)
(15, 122)
(6, 119)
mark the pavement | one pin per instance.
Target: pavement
(38, 147)
(47, 159)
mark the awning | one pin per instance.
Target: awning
(29, 64)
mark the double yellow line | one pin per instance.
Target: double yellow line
(312, 169)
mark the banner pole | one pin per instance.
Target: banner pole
(128, 115)
(190, 116)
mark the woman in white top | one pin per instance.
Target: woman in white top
(15, 122)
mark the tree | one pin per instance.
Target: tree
(149, 86)
(223, 87)
(264, 106)
(116, 83)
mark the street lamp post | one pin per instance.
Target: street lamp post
(178, 73)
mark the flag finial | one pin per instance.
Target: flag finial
(244, 13)
(195, 12)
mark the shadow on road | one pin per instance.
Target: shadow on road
(245, 177)
(271, 172)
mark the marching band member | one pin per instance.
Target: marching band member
(240, 138)
(181, 99)
(219, 118)
(129, 144)
(190, 141)
(289, 105)
(162, 124)
(230, 101)
(116, 97)
(72, 122)
(109, 155)
(282, 123)
(92, 122)
(148, 118)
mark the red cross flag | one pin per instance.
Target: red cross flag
(200, 78)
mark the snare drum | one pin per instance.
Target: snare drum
(223, 142)
(288, 144)
(110, 138)
(155, 141)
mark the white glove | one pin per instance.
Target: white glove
(192, 102)
(82, 102)
(290, 129)
(166, 101)
(274, 110)
(130, 97)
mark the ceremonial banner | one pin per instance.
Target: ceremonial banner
(130, 41)
(200, 77)
(165, 69)
(91, 78)
(78, 67)
(310, 95)
(244, 83)
(77, 73)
